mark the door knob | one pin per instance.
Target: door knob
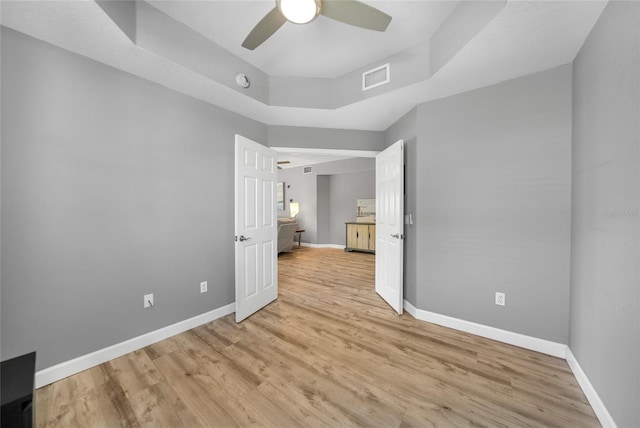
(395, 235)
(243, 238)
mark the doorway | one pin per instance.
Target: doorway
(388, 192)
(257, 203)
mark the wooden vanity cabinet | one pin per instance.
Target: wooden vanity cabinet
(361, 237)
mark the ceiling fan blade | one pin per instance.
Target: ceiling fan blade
(264, 29)
(355, 13)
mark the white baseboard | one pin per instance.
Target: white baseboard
(71, 367)
(308, 244)
(589, 391)
(60, 371)
(528, 342)
(540, 345)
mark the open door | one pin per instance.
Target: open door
(256, 231)
(390, 224)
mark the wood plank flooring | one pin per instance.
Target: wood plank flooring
(329, 352)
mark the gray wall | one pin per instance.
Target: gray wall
(490, 176)
(605, 288)
(406, 129)
(112, 187)
(321, 138)
(324, 208)
(494, 199)
(345, 189)
(302, 188)
(345, 166)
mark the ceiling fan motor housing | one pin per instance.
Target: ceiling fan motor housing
(299, 11)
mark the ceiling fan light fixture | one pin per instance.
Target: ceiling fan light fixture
(352, 12)
(299, 11)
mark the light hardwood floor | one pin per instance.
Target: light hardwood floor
(328, 352)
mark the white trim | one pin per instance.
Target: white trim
(411, 309)
(60, 371)
(308, 244)
(540, 345)
(327, 152)
(590, 392)
(528, 342)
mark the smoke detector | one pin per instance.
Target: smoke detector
(242, 80)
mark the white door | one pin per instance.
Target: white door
(389, 224)
(256, 232)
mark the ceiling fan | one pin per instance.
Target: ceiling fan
(351, 12)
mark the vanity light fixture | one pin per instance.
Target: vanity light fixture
(294, 209)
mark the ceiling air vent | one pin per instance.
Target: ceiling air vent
(306, 169)
(376, 77)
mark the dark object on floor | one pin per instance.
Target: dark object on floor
(17, 378)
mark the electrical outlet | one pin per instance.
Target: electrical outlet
(148, 301)
(203, 287)
(501, 299)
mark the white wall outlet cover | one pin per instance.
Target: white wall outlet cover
(500, 299)
(148, 301)
(203, 287)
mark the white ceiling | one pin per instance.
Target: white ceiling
(321, 48)
(524, 38)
